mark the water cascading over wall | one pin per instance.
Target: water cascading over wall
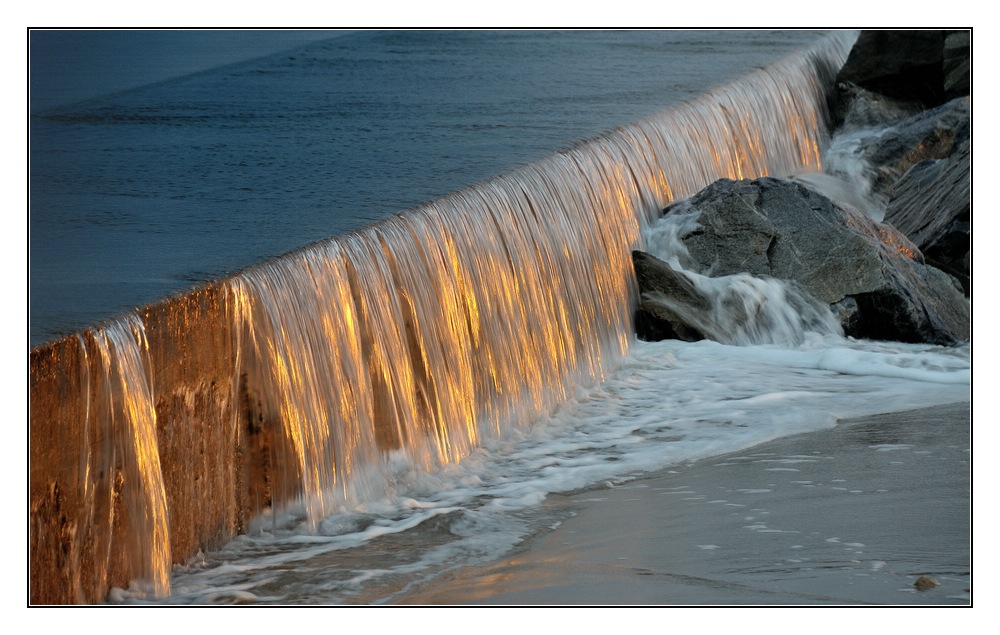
(418, 336)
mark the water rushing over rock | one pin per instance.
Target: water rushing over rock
(866, 271)
(739, 309)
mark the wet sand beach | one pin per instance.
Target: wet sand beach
(852, 515)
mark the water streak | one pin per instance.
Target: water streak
(121, 459)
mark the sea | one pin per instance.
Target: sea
(401, 146)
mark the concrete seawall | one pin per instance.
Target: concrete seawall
(414, 332)
(217, 453)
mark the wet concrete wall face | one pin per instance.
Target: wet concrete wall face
(220, 444)
(215, 452)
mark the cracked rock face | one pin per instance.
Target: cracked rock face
(785, 230)
(782, 229)
(932, 204)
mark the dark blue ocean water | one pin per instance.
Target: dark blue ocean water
(143, 193)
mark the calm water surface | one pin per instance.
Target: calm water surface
(150, 191)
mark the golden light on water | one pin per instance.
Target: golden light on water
(483, 309)
(479, 312)
(128, 418)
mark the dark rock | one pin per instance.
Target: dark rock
(917, 304)
(736, 309)
(872, 274)
(670, 306)
(956, 64)
(932, 134)
(893, 73)
(905, 65)
(854, 107)
(848, 314)
(931, 204)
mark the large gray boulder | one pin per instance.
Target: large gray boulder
(871, 275)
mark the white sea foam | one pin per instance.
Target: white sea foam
(668, 403)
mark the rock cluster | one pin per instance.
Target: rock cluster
(871, 275)
(906, 278)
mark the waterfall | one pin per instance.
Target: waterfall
(485, 308)
(413, 339)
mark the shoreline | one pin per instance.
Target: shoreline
(851, 515)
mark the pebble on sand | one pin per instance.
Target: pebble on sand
(925, 583)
